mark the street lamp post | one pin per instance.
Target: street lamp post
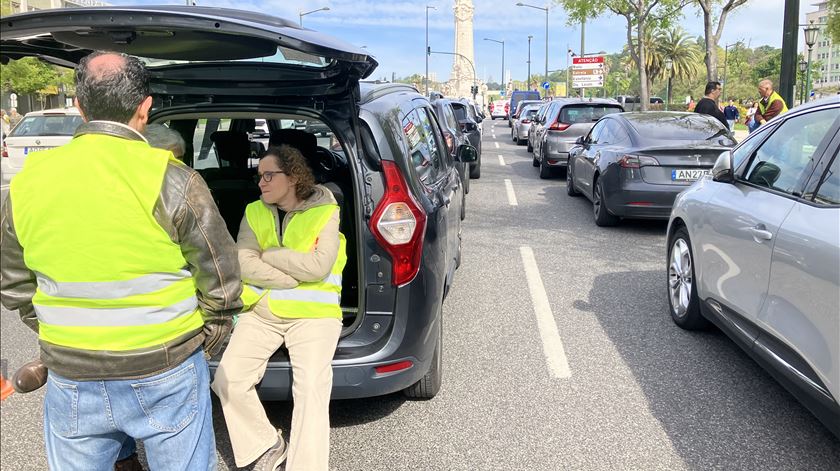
(725, 57)
(545, 9)
(669, 65)
(472, 66)
(426, 51)
(803, 66)
(301, 14)
(502, 80)
(528, 80)
(810, 39)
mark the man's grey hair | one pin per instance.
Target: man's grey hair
(165, 138)
(767, 82)
(113, 92)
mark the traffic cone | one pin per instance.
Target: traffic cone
(6, 388)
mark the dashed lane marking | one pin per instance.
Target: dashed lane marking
(497, 144)
(501, 160)
(510, 194)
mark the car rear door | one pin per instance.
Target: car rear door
(742, 220)
(585, 160)
(801, 308)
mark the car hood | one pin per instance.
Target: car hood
(180, 44)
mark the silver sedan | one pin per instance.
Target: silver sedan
(522, 124)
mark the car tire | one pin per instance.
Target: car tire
(429, 384)
(513, 137)
(602, 214)
(530, 147)
(475, 172)
(570, 182)
(682, 283)
(545, 171)
(464, 205)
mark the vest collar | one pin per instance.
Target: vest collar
(109, 128)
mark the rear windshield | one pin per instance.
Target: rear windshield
(62, 125)
(692, 127)
(529, 112)
(586, 113)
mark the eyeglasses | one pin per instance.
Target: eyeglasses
(267, 176)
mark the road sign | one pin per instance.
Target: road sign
(588, 72)
(546, 85)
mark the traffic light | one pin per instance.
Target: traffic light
(474, 90)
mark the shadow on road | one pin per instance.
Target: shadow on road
(719, 408)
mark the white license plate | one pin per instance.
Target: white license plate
(29, 150)
(684, 175)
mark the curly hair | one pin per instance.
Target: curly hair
(294, 165)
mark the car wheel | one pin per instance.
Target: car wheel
(682, 287)
(599, 207)
(570, 182)
(463, 206)
(429, 385)
(545, 170)
(513, 136)
(530, 147)
(475, 172)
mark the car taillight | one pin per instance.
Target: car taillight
(526, 121)
(5, 151)
(507, 107)
(558, 126)
(636, 161)
(399, 225)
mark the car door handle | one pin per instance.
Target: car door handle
(760, 233)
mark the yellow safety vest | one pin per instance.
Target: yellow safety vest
(773, 97)
(109, 277)
(309, 299)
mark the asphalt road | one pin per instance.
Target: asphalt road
(639, 393)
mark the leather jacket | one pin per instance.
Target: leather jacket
(187, 212)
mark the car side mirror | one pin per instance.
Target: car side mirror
(467, 154)
(722, 171)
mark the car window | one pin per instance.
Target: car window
(449, 117)
(742, 153)
(593, 137)
(204, 154)
(780, 162)
(423, 147)
(541, 113)
(63, 125)
(828, 191)
(460, 112)
(587, 113)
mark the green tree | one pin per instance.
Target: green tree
(27, 76)
(833, 26)
(640, 16)
(715, 11)
(6, 7)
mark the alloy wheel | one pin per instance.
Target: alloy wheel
(680, 278)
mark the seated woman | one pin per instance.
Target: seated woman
(292, 255)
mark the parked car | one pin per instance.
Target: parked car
(499, 109)
(517, 97)
(37, 131)
(631, 103)
(454, 138)
(566, 120)
(633, 165)
(755, 250)
(522, 124)
(470, 127)
(398, 191)
(536, 124)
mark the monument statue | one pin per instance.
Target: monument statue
(463, 76)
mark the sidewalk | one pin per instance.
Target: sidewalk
(740, 135)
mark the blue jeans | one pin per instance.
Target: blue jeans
(88, 425)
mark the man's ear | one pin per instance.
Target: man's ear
(81, 111)
(143, 110)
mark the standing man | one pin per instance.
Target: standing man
(730, 112)
(770, 105)
(708, 104)
(14, 117)
(116, 255)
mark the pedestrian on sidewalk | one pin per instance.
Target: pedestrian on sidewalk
(731, 113)
(14, 117)
(292, 256)
(709, 105)
(750, 121)
(116, 255)
(770, 105)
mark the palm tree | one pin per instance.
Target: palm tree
(683, 52)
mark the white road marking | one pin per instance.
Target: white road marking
(497, 144)
(510, 194)
(501, 160)
(555, 356)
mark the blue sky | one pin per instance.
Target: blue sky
(394, 31)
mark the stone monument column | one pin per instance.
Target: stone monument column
(461, 78)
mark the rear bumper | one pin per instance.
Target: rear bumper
(640, 200)
(557, 159)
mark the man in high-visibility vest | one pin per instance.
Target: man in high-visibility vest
(770, 105)
(116, 255)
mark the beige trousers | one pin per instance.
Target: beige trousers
(311, 344)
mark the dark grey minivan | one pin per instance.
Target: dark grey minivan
(381, 151)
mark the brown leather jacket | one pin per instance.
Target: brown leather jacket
(186, 211)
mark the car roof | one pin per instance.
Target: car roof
(585, 101)
(54, 111)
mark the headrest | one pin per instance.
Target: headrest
(233, 147)
(301, 140)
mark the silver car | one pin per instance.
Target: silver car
(754, 248)
(564, 122)
(522, 124)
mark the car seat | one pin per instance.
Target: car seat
(232, 185)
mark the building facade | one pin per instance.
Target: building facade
(825, 51)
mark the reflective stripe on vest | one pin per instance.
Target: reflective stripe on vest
(109, 276)
(308, 299)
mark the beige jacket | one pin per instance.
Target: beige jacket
(282, 268)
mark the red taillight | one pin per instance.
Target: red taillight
(5, 151)
(558, 126)
(399, 225)
(398, 366)
(636, 161)
(507, 107)
(526, 121)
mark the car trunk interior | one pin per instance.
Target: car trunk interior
(225, 147)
